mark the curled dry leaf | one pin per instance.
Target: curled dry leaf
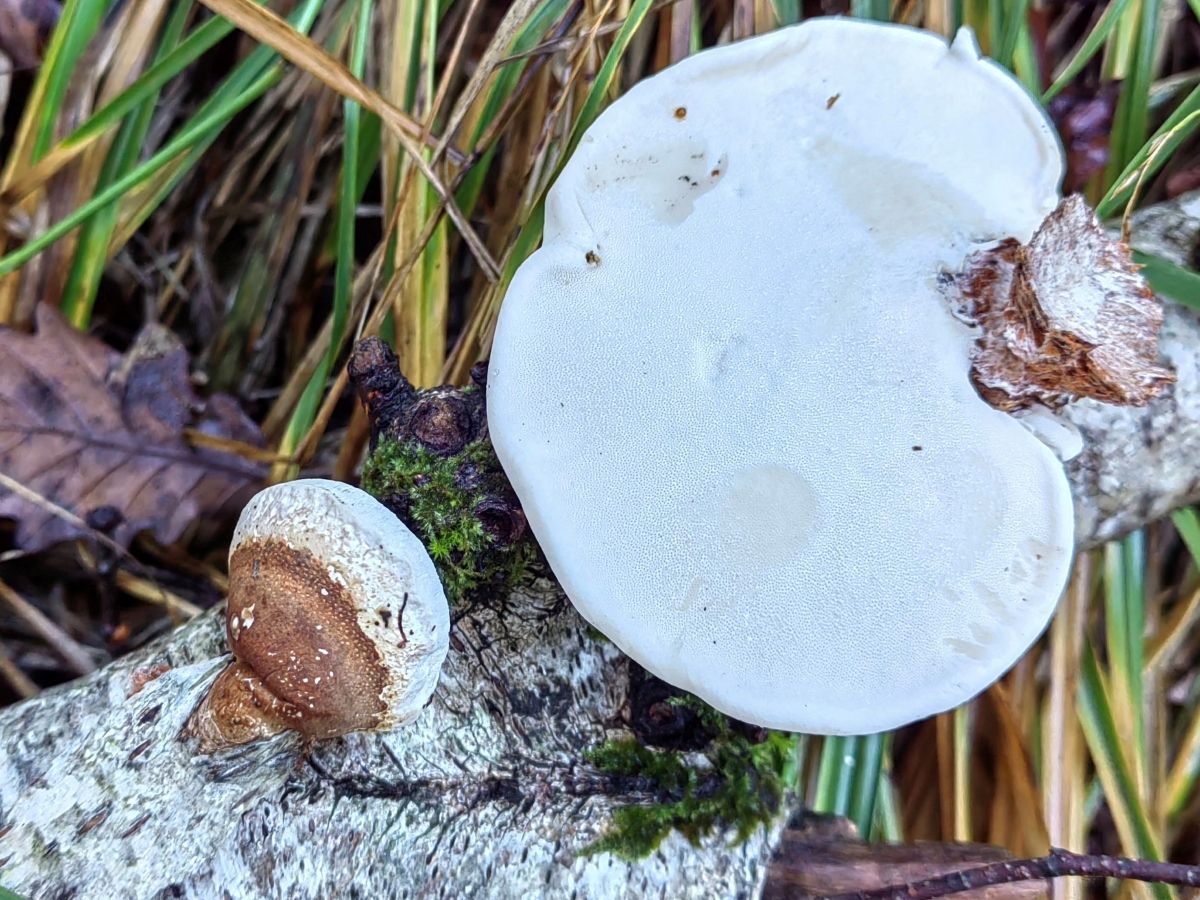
(25, 26)
(103, 437)
(1065, 316)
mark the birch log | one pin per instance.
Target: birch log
(487, 794)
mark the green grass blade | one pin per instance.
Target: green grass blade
(1153, 154)
(1126, 624)
(1130, 120)
(91, 255)
(888, 826)
(1185, 774)
(147, 87)
(788, 12)
(1014, 22)
(78, 23)
(1113, 767)
(879, 10)
(200, 128)
(350, 186)
(1025, 61)
(1170, 279)
(1187, 523)
(348, 196)
(607, 76)
(1088, 49)
(835, 775)
(864, 789)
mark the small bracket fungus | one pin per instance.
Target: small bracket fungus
(733, 389)
(335, 616)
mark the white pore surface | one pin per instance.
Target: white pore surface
(733, 400)
(384, 566)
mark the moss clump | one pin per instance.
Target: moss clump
(735, 783)
(459, 506)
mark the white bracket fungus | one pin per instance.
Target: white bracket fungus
(734, 387)
(335, 616)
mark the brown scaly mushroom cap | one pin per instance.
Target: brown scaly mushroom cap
(336, 618)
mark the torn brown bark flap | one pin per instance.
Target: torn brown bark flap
(1065, 316)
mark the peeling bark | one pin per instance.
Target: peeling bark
(1139, 463)
(1064, 316)
(486, 794)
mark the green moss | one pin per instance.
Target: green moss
(437, 497)
(734, 784)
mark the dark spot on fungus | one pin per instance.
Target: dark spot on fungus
(681, 112)
(832, 100)
(592, 258)
(918, 447)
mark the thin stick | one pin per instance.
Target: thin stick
(18, 680)
(1057, 864)
(62, 643)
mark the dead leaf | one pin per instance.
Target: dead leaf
(103, 437)
(822, 855)
(1065, 316)
(25, 26)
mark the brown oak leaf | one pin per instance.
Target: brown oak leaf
(102, 436)
(1065, 316)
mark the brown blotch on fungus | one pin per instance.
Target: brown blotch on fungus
(335, 617)
(301, 659)
(1065, 316)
